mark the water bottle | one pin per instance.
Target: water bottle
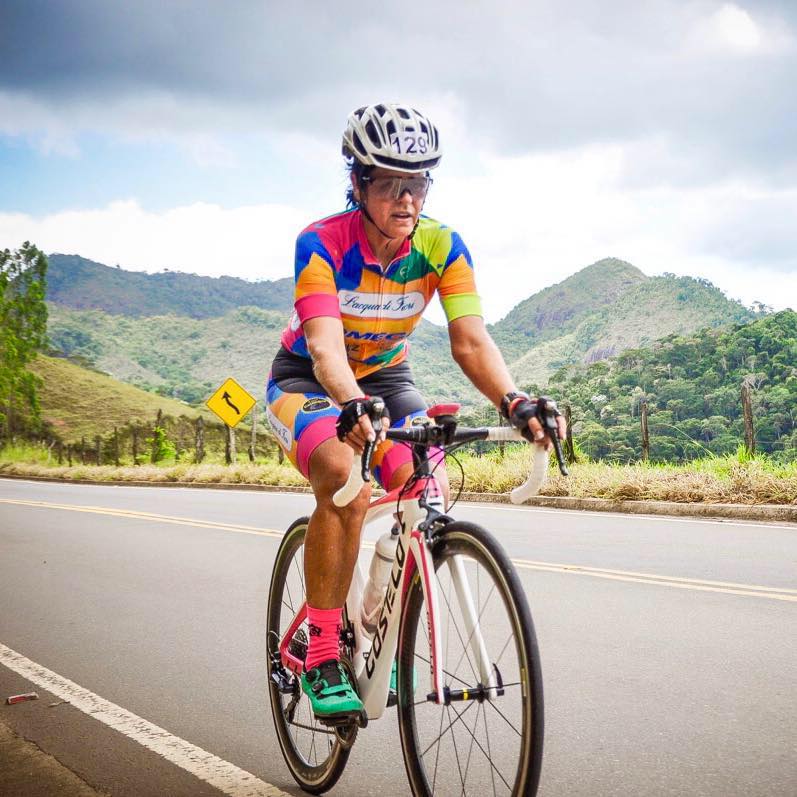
(378, 575)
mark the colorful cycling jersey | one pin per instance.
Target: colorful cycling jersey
(338, 275)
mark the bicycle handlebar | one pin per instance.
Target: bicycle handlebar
(360, 472)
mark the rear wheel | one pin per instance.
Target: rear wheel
(488, 739)
(315, 754)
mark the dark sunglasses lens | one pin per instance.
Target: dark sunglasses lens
(394, 187)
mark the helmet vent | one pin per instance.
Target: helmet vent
(403, 113)
(373, 134)
(359, 145)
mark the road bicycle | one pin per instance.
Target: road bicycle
(453, 617)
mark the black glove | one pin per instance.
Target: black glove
(521, 412)
(354, 409)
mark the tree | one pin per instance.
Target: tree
(23, 333)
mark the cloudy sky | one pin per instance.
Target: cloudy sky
(202, 136)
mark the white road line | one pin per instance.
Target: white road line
(220, 774)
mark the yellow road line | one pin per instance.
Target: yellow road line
(677, 582)
(631, 574)
(129, 513)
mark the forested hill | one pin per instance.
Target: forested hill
(559, 309)
(181, 334)
(692, 388)
(82, 284)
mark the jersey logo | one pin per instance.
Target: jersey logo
(369, 305)
(316, 404)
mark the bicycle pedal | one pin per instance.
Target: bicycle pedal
(360, 719)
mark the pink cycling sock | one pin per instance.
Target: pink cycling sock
(324, 643)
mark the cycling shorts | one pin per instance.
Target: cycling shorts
(302, 415)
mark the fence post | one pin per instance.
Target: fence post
(200, 439)
(82, 450)
(98, 442)
(747, 410)
(69, 455)
(253, 441)
(116, 446)
(59, 449)
(135, 445)
(570, 450)
(643, 420)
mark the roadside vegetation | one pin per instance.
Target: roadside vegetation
(733, 478)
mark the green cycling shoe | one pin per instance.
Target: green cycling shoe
(332, 697)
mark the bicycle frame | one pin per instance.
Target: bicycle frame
(416, 508)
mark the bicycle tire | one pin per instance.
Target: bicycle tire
(314, 774)
(523, 700)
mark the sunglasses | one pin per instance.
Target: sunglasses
(394, 187)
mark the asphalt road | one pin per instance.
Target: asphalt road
(669, 646)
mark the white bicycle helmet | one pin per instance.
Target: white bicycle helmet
(393, 136)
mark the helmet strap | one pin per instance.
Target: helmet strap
(368, 216)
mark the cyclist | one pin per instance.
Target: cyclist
(363, 279)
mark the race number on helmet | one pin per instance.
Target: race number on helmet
(392, 136)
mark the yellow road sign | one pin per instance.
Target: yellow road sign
(231, 402)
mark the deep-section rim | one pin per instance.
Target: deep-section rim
(321, 778)
(502, 570)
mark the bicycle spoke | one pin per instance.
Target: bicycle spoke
(477, 625)
(437, 754)
(470, 748)
(503, 717)
(456, 752)
(464, 648)
(312, 748)
(448, 728)
(503, 649)
(290, 597)
(489, 759)
(445, 672)
(489, 751)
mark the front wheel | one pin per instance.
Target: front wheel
(315, 754)
(488, 739)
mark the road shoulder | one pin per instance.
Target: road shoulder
(774, 513)
(27, 771)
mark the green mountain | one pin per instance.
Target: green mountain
(646, 310)
(559, 309)
(82, 284)
(181, 335)
(691, 385)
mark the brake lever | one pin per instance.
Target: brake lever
(547, 413)
(376, 409)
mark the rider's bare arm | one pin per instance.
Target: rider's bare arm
(324, 336)
(481, 361)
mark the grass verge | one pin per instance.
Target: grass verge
(731, 479)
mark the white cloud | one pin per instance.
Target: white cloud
(529, 222)
(254, 242)
(735, 27)
(733, 30)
